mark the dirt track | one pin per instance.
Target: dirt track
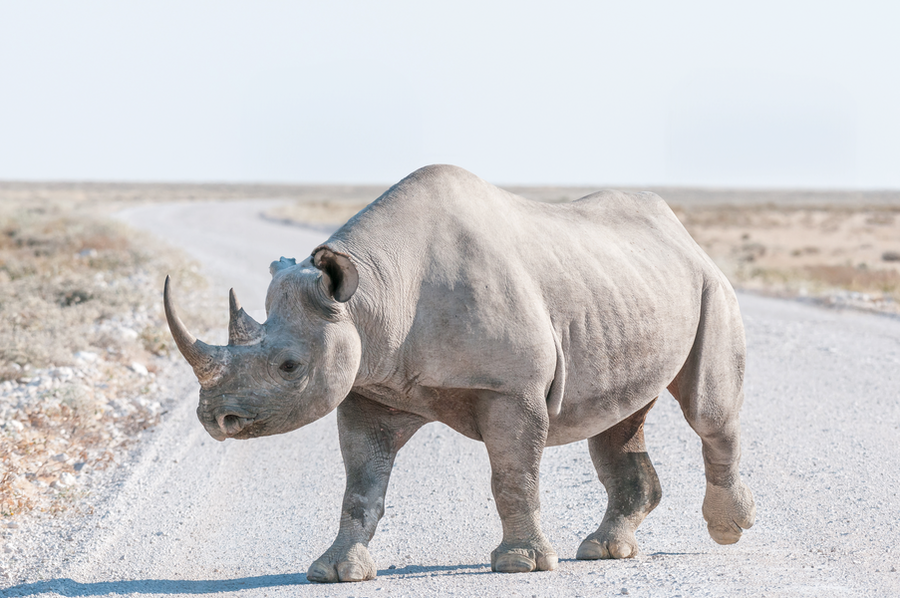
(821, 424)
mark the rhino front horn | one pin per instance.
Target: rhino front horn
(242, 329)
(208, 361)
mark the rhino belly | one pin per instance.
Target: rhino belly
(620, 359)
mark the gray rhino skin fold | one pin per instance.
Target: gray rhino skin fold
(517, 323)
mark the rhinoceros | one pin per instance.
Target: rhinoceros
(516, 323)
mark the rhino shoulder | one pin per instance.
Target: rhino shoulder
(440, 184)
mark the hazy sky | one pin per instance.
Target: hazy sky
(798, 94)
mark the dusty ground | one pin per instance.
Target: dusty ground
(835, 254)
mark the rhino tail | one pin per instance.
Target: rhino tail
(558, 385)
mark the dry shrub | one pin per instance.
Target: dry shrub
(73, 280)
(76, 435)
(66, 274)
(856, 279)
(819, 250)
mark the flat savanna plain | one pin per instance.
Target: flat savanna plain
(85, 355)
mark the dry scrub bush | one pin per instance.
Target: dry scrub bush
(63, 274)
(72, 280)
(854, 278)
(317, 212)
(816, 250)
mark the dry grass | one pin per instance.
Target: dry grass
(82, 335)
(819, 251)
(63, 274)
(70, 429)
(317, 212)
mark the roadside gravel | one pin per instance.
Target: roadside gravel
(192, 516)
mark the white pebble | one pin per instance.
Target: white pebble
(66, 479)
(128, 334)
(86, 356)
(62, 373)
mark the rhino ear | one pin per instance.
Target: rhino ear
(281, 264)
(338, 273)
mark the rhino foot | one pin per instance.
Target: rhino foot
(352, 564)
(522, 558)
(728, 511)
(609, 542)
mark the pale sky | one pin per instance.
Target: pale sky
(766, 94)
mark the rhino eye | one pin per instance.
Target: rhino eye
(289, 366)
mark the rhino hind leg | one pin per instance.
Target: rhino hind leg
(709, 390)
(370, 436)
(632, 487)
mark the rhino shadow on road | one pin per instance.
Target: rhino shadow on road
(70, 587)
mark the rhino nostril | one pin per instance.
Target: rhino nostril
(230, 423)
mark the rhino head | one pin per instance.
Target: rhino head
(289, 371)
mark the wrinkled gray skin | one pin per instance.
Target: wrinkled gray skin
(516, 323)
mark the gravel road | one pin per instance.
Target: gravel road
(192, 516)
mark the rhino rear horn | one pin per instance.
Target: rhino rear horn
(208, 361)
(242, 329)
(339, 274)
(281, 264)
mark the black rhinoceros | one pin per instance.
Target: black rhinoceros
(517, 323)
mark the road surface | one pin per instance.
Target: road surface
(192, 516)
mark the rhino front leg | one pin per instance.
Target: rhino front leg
(632, 487)
(514, 434)
(370, 436)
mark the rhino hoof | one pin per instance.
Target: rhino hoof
(728, 512)
(522, 561)
(723, 534)
(354, 565)
(321, 573)
(352, 572)
(593, 549)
